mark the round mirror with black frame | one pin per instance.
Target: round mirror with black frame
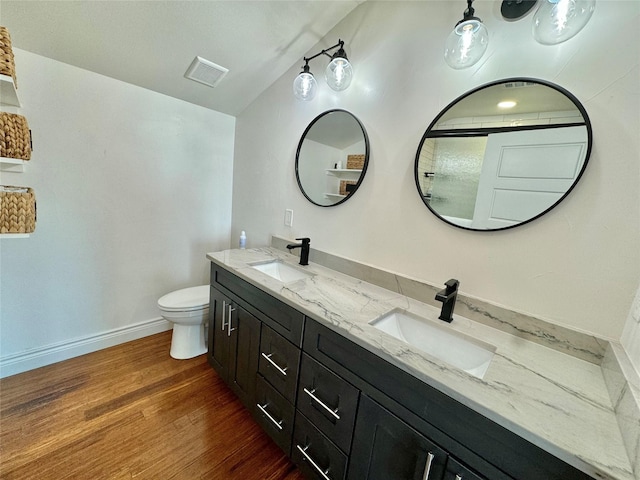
(503, 154)
(332, 158)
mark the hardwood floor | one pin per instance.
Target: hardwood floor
(131, 411)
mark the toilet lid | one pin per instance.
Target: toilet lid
(186, 299)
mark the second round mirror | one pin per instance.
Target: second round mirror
(503, 154)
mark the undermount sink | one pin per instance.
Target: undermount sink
(454, 348)
(281, 271)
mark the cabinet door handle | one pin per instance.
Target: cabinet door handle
(224, 314)
(458, 477)
(229, 329)
(427, 466)
(321, 403)
(263, 409)
(306, 456)
(283, 371)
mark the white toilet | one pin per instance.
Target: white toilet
(188, 310)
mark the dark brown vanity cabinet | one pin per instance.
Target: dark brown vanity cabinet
(342, 412)
(254, 343)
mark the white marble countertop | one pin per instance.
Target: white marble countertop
(555, 401)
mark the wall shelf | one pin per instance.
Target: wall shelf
(344, 172)
(334, 195)
(14, 165)
(8, 92)
(15, 235)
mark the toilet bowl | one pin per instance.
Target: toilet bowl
(188, 310)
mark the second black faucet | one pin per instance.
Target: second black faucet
(448, 298)
(304, 249)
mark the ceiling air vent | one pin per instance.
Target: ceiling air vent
(206, 72)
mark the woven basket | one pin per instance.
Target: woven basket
(17, 209)
(15, 138)
(343, 186)
(355, 162)
(7, 63)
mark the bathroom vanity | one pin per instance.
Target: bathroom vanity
(345, 399)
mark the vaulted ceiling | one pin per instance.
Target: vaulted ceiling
(152, 43)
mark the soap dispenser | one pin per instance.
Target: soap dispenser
(243, 240)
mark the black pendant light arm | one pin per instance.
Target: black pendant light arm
(339, 53)
(469, 13)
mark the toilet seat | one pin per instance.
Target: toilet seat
(185, 300)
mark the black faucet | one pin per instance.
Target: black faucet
(448, 299)
(304, 249)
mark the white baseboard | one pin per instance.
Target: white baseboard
(39, 357)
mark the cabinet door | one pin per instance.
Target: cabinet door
(384, 447)
(218, 355)
(243, 331)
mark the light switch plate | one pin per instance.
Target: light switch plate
(288, 217)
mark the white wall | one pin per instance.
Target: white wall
(577, 266)
(133, 188)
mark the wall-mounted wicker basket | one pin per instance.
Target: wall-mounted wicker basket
(17, 209)
(15, 137)
(355, 162)
(346, 186)
(7, 62)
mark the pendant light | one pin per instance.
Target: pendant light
(305, 85)
(338, 74)
(467, 42)
(339, 71)
(556, 21)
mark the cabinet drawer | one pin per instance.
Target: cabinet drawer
(315, 454)
(285, 320)
(328, 401)
(275, 414)
(457, 471)
(279, 363)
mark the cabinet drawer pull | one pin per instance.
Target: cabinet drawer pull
(229, 329)
(224, 314)
(263, 409)
(306, 456)
(321, 403)
(283, 371)
(427, 467)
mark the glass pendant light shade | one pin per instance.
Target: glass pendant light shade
(305, 85)
(466, 44)
(339, 73)
(556, 21)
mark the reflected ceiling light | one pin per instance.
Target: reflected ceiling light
(467, 42)
(507, 104)
(338, 74)
(556, 21)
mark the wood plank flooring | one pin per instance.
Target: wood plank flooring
(131, 411)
